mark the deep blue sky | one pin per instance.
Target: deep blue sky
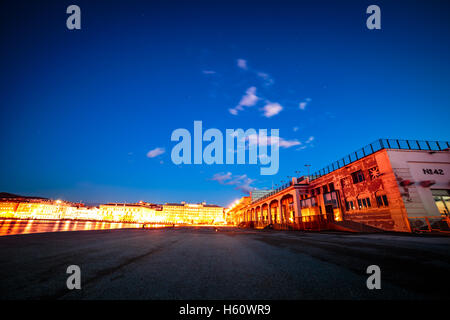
(80, 110)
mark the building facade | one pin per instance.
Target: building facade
(395, 185)
(128, 212)
(36, 208)
(187, 213)
(142, 212)
(236, 213)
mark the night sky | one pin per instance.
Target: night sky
(83, 112)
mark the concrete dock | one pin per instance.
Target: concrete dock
(228, 263)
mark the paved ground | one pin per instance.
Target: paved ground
(200, 263)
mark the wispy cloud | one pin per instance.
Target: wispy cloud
(308, 143)
(268, 80)
(241, 63)
(289, 143)
(155, 152)
(222, 178)
(272, 109)
(266, 77)
(248, 100)
(270, 140)
(302, 105)
(240, 182)
(209, 72)
(233, 111)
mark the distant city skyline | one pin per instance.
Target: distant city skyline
(87, 115)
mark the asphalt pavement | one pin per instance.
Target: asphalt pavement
(227, 263)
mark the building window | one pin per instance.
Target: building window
(331, 199)
(364, 203)
(349, 205)
(318, 191)
(331, 185)
(382, 201)
(358, 176)
(325, 189)
(308, 203)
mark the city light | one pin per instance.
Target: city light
(141, 212)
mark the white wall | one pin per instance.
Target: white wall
(410, 165)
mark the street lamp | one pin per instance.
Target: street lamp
(308, 165)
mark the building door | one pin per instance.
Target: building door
(442, 201)
(329, 212)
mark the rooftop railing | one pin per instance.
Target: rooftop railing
(368, 150)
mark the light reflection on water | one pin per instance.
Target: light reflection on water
(15, 226)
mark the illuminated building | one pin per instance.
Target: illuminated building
(186, 213)
(396, 185)
(82, 213)
(173, 213)
(8, 208)
(235, 213)
(132, 212)
(41, 210)
(19, 207)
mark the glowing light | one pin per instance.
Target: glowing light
(186, 214)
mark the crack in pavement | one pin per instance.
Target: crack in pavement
(108, 271)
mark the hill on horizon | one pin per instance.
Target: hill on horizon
(12, 195)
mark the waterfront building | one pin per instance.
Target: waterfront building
(188, 213)
(235, 214)
(33, 208)
(129, 212)
(395, 185)
(8, 208)
(82, 213)
(172, 213)
(169, 213)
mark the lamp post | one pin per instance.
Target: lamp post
(308, 165)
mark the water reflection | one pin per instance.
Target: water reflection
(17, 226)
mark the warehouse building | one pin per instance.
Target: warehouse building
(395, 185)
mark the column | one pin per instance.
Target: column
(280, 210)
(297, 207)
